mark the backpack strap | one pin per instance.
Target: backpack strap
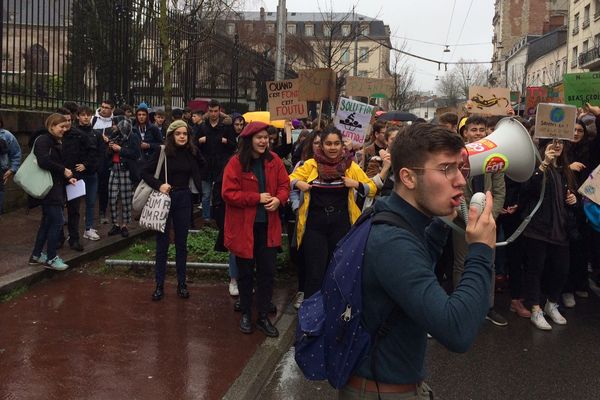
(394, 219)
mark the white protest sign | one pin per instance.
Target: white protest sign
(591, 186)
(284, 102)
(353, 118)
(555, 121)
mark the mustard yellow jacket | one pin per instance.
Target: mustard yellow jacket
(308, 173)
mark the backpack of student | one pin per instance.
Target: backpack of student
(331, 339)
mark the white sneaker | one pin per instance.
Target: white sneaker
(551, 309)
(568, 300)
(298, 300)
(582, 294)
(537, 317)
(91, 234)
(233, 289)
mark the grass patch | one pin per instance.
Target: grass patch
(13, 294)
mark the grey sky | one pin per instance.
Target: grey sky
(423, 20)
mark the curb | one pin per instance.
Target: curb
(29, 275)
(258, 369)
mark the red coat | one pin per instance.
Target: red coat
(241, 196)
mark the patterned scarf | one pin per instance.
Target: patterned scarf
(332, 169)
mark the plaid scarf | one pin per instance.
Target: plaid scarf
(332, 169)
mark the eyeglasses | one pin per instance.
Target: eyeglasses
(450, 170)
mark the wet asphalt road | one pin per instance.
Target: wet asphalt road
(80, 336)
(514, 362)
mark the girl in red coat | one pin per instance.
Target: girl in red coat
(255, 184)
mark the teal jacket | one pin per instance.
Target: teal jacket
(399, 271)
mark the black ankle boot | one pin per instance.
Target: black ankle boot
(182, 291)
(265, 326)
(159, 292)
(246, 323)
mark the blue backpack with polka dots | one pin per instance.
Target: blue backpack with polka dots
(331, 339)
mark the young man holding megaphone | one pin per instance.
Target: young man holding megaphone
(493, 182)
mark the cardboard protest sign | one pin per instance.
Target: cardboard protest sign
(284, 100)
(540, 94)
(488, 101)
(582, 88)
(591, 186)
(369, 87)
(555, 121)
(353, 118)
(317, 84)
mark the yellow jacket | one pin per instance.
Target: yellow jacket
(308, 173)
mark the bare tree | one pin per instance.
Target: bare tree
(404, 96)
(455, 84)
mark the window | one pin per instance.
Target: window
(270, 28)
(363, 73)
(364, 30)
(363, 54)
(586, 44)
(346, 56)
(597, 8)
(574, 57)
(557, 73)
(249, 28)
(345, 30)
(597, 40)
(291, 29)
(230, 28)
(564, 70)
(576, 24)
(586, 16)
(326, 30)
(309, 30)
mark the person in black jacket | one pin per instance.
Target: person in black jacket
(184, 162)
(217, 144)
(75, 147)
(95, 154)
(48, 151)
(148, 134)
(125, 149)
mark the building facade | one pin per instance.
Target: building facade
(584, 36)
(515, 19)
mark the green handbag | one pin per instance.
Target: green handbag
(34, 180)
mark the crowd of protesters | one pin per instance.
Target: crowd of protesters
(251, 178)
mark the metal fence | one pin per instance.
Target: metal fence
(89, 50)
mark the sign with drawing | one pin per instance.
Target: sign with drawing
(488, 101)
(353, 119)
(555, 121)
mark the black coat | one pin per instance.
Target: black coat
(130, 156)
(196, 162)
(96, 149)
(48, 151)
(152, 136)
(214, 150)
(75, 150)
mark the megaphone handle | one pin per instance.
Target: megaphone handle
(521, 227)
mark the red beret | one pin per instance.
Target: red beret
(253, 127)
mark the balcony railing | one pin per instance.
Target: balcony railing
(586, 23)
(575, 30)
(592, 56)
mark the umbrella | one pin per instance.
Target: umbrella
(263, 116)
(398, 116)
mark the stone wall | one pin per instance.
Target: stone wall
(22, 124)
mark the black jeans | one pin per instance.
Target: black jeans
(264, 260)
(515, 256)
(73, 218)
(555, 259)
(179, 216)
(323, 231)
(578, 271)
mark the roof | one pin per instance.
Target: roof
(307, 16)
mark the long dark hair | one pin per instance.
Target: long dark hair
(245, 153)
(562, 164)
(170, 146)
(307, 150)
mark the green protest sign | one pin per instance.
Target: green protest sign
(582, 88)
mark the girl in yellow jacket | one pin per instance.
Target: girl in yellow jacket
(330, 181)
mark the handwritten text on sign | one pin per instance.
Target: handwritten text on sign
(353, 118)
(284, 102)
(555, 121)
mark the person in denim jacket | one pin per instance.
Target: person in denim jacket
(10, 159)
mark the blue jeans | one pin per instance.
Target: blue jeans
(233, 268)
(91, 194)
(179, 216)
(49, 231)
(206, 192)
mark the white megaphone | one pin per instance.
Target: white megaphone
(508, 149)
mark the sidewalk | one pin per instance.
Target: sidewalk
(80, 335)
(18, 230)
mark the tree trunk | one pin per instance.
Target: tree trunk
(167, 64)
